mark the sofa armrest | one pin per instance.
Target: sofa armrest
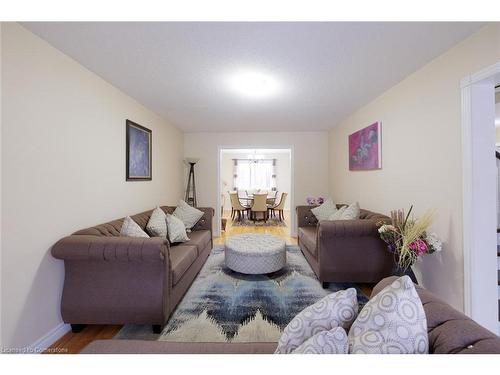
(305, 217)
(103, 248)
(205, 222)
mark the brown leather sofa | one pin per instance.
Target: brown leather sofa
(450, 332)
(344, 250)
(110, 279)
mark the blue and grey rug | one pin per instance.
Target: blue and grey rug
(223, 305)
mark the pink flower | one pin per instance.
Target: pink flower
(419, 247)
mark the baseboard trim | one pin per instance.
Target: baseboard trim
(49, 338)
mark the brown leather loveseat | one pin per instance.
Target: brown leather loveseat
(110, 279)
(344, 250)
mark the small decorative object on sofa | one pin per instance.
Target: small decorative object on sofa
(407, 238)
(138, 152)
(315, 201)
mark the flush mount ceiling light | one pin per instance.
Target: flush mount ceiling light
(253, 84)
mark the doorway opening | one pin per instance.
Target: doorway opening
(255, 191)
(481, 275)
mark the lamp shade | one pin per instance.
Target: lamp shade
(192, 160)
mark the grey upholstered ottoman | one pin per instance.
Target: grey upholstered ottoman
(255, 253)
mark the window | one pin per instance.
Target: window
(254, 175)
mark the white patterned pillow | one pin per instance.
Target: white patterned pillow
(338, 214)
(131, 229)
(323, 212)
(335, 310)
(176, 229)
(333, 341)
(392, 322)
(157, 224)
(351, 212)
(188, 214)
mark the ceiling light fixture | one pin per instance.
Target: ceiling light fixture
(253, 84)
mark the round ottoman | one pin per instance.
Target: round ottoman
(255, 253)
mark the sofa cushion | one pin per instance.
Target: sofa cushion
(181, 258)
(335, 310)
(188, 214)
(393, 322)
(176, 229)
(333, 341)
(324, 211)
(157, 224)
(200, 239)
(450, 331)
(351, 212)
(131, 229)
(307, 236)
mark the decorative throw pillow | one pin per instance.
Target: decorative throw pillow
(188, 214)
(176, 229)
(335, 310)
(351, 212)
(323, 212)
(131, 229)
(338, 214)
(392, 322)
(333, 341)
(157, 224)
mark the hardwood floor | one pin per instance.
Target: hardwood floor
(280, 231)
(72, 343)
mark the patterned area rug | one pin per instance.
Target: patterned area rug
(224, 306)
(271, 222)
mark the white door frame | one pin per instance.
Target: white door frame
(479, 196)
(293, 230)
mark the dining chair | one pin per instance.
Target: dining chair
(279, 207)
(237, 207)
(271, 198)
(259, 206)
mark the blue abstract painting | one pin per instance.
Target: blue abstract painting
(138, 152)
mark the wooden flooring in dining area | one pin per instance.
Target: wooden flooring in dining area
(279, 231)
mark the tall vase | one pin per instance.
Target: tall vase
(398, 271)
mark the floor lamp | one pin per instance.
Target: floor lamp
(190, 197)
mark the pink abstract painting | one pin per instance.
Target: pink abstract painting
(364, 148)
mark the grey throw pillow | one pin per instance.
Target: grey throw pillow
(176, 229)
(335, 310)
(323, 212)
(131, 229)
(333, 341)
(188, 214)
(351, 212)
(392, 322)
(157, 224)
(337, 215)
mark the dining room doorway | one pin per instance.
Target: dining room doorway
(256, 191)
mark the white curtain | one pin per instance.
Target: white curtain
(254, 175)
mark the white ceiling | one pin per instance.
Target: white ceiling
(327, 70)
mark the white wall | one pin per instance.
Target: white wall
(1, 131)
(309, 164)
(63, 169)
(421, 154)
(283, 172)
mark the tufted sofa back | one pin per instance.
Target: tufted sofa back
(450, 331)
(112, 228)
(306, 218)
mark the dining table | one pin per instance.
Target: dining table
(248, 200)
